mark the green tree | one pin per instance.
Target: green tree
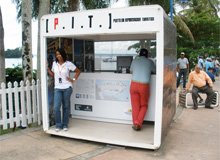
(162, 3)
(180, 24)
(92, 4)
(204, 23)
(13, 53)
(16, 74)
(43, 8)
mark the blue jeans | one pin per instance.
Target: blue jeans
(182, 72)
(205, 89)
(216, 71)
(62, 96)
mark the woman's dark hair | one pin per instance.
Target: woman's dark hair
(62, 53)
(144, 52)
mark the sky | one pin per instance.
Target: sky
(12, 29)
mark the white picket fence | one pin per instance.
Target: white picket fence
(21, 105)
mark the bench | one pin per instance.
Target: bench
(189, 102)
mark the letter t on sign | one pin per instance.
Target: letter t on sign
(55, 22)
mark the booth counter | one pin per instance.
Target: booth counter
(105, 96)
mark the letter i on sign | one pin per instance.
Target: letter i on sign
(55, 22)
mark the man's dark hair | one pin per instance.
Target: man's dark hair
(144, 52)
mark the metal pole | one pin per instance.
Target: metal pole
(171, 10)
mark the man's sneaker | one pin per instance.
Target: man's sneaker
(65, 129)
(195, 107)
(57, 129)
(208, 107)
(201, 100)
(136, 127)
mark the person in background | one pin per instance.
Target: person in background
(182, 69)
(201, 83)
(141, 69)
(201, 62)
(217, 66)
(208, 64)
(63, 87)
(211, 74)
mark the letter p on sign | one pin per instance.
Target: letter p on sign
(55, 22)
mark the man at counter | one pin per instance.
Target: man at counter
(141, 69)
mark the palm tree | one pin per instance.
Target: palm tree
(162, 3)
(26, 40)
(73, 5)
(2, 57)
(182, 26)
(2, 53)
(195, 7)
(92, 4)
(44, 8)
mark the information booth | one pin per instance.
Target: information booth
(100, 102)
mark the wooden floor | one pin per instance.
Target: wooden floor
(110, 133)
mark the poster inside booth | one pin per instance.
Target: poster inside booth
(100, 102)
(84, 55)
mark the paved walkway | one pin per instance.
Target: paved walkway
(193, 135)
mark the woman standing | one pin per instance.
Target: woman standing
(63, 87)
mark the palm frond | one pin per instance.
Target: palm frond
(181, 25)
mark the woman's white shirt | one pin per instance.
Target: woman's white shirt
(61, 72)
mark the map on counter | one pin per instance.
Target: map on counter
(85, 89)
(113, 90)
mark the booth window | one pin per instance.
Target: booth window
(116, 56)
(113, 56)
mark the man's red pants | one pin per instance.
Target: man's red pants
(139, 100)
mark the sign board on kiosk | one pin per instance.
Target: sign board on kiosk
(100, 102)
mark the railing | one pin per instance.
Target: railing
(20, 105)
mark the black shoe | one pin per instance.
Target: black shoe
(195, 107)
(201, 100)
(208, 107)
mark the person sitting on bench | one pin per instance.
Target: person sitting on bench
(201, 83)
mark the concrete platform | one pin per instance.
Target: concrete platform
(106, 132)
